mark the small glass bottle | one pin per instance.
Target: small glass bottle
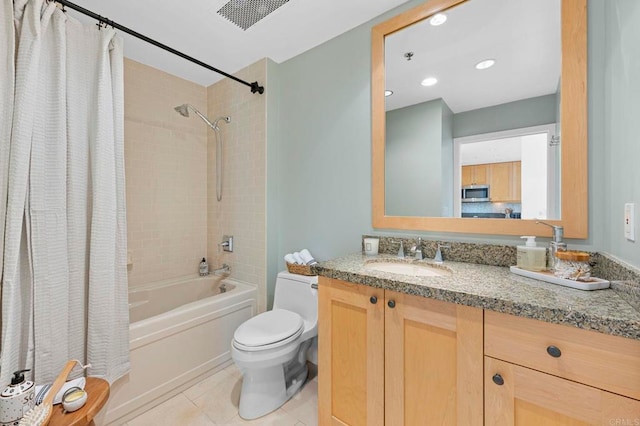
(572, 265)
(204, 268)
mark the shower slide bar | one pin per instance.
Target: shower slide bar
(255, 87)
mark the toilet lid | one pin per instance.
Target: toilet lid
(268, 327)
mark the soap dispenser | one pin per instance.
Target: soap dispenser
(530, 256)
(204, 268)
(17, 399)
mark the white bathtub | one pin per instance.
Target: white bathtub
(180, 332)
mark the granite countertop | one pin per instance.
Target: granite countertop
(497, 289)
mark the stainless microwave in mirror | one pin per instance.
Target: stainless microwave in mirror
(475, 194)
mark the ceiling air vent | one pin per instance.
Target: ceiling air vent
(245, 13)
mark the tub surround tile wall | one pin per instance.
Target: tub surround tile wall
(166, 175)
(241, 212)
(173, 217)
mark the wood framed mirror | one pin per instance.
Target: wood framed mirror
(571, 210)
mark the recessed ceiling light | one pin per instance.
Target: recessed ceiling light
(487, 63)
(438, 19)
(388, 93)
(429, 81)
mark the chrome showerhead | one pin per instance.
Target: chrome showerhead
(183, 110)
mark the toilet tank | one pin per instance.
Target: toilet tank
(294, 293)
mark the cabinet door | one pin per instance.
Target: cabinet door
(500, 189)
(351, 354)
(476, 174)
(530, 398)
(467, 175)
(505, 181)
(516, 178)
(481, 174)
(433, 362)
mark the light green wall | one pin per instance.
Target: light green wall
(413, 160)
(274, 164)
(447, 161)
(622, 124)
(324, 141)
(512, 115)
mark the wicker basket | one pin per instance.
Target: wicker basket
(299, 269)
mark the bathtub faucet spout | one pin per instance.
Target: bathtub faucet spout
(225, 270)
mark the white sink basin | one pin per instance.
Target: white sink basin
(411, 269)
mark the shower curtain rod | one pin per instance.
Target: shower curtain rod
(255, 87)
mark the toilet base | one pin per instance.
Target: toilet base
(264, 391)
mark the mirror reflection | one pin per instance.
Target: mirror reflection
(472, 112)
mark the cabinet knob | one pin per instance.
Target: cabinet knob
(373, 300)
(554, 351)
(498, 380)
(391, 304)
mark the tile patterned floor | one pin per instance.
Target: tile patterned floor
(214, 401)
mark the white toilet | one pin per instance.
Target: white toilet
(271, 348)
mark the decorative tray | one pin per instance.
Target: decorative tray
(585, 284)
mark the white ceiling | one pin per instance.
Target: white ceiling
(492, 151)
(195, 28)
(523, 36)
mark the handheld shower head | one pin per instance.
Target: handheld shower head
(183, 110)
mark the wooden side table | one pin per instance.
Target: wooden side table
(97, 395)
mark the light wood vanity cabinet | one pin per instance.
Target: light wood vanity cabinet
(433, 362)
(540, 373)
(389, 358)
(530, 398)
(351, 353)
(396, 359)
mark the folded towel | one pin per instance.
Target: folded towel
(43, 390)
(298, 259)
(289, 258)
(307, 258)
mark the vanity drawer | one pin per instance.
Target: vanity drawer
(607, 362)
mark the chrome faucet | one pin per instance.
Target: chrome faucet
(556, 243)
(401, 251)
(438, 257)
(226, 269)
(417, 249)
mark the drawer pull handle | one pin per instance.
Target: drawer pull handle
(554, 351)
(391, 303)
(498, 380)
(373, 300)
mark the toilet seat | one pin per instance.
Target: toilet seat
(268, 330)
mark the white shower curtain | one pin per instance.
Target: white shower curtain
(64, 279)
